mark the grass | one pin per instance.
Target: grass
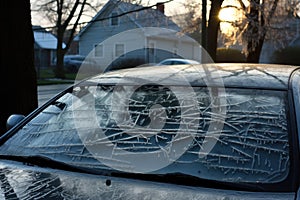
(51, 82)
(46, 77)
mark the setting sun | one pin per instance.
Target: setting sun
(229, 14)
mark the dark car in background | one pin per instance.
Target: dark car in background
(73, 62)
(214, 131)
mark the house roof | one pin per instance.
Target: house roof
(141, 16)
(45, 40)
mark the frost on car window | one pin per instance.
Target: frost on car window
(252, 147)
(296, 97)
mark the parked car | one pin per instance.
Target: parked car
(177, 61)
(73, 62)
(228, 131)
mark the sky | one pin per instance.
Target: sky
(169, 10)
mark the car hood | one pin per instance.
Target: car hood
(19, 181)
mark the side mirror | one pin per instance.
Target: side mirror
(13, 120)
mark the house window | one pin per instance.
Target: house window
(114, 21)
(99, 50)
(119, 50)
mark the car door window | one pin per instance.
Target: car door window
(296, 95)
(178, 62)
(167, 63)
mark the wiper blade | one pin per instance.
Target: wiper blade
(60, 105)
(42, 161)
(194, 180)
(190, 180)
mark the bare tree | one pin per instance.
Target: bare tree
(213, 27)
(258, 18)
(263, 20)
(191, 23)
(18, 82)
(65, 15)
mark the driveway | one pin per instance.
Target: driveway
(46, 92)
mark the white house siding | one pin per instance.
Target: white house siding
(97, 34)
(132, 40)
(137, 39)
(184, 47)
(100, 31)
(191, 50)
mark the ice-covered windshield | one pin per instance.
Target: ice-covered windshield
(252, 147)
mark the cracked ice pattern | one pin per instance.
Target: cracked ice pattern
(252, 147)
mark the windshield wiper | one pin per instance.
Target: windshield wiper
(60, 105)
(190, 180)
(42, 161)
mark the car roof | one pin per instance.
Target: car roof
(264, 76)
(180, 59)
(74, 56)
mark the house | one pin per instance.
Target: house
(44, 47)
(125, 31)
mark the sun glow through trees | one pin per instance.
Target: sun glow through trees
(230, 14)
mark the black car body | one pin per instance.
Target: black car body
(215, 131)
(73, 62)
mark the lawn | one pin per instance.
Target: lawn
(46, 77)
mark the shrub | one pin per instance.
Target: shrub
(230, 55)
(287, 56)
(123, 63)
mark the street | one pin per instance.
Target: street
(46, 92)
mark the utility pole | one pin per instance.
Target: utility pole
(203, 24)
(203, 31)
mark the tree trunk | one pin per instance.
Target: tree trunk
(255, 30)
(213, 28)
(60, 52)
(18, 76)
(254, 55)
(59, 70)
